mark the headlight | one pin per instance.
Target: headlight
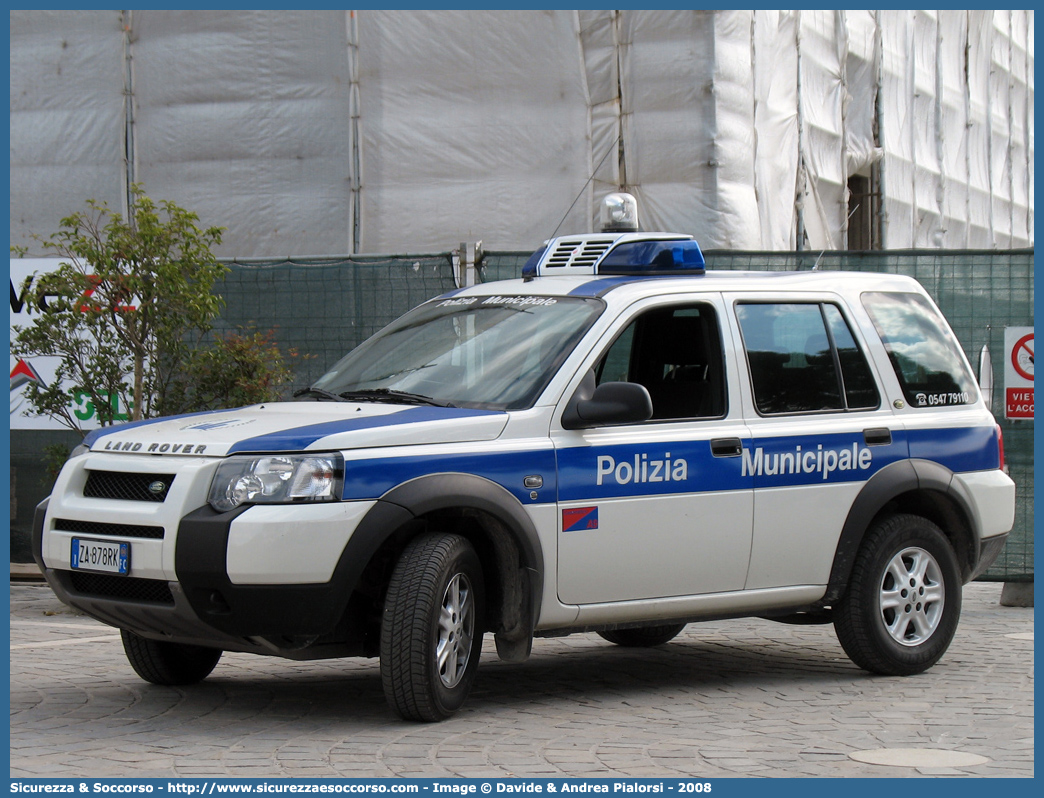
(276, 479)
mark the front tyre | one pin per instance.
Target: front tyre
(168, 664)
(431, 628)
(903, 601)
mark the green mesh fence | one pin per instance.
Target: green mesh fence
(325, 307)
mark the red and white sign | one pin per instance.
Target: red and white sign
(1018, 372)
(42, 369)
(37, 369)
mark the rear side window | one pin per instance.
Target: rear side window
(923, 352)
(803, 358)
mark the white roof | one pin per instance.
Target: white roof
(711, 281)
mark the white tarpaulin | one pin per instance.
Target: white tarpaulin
(333, 132)
(67, 116)
(473, 126)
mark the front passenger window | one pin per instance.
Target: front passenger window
(675, 352)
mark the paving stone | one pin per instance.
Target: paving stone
(745, 698)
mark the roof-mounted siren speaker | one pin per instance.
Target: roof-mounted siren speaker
(619, 213)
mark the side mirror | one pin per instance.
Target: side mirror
(607, 404)
(986, 377)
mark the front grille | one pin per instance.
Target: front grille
(113, 530)
(127, 487)
(130, 588)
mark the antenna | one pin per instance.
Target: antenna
(586, 184)
(815, 266)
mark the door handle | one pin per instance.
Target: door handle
(726, 447)
(879, 436)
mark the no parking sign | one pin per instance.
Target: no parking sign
(1018, 372)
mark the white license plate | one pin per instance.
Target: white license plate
(100, 555)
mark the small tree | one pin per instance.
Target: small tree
(238, 368)
(129, 300)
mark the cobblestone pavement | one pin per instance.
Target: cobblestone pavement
(725, 699)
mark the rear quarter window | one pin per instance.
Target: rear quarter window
(923, 352)
(803, 358)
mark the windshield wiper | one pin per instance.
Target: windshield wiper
(332, 397)
(390, 395)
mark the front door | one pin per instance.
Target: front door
(660, 508)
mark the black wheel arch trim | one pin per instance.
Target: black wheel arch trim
(300, 611)
(460, 491)
(39, 514)
(271, 610)
(886, 485)
(452, 490)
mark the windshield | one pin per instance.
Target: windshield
(495, 352)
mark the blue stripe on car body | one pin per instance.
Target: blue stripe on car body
(300, 438)
(371, 479)
(95, 435)
(960, 449)
(592, 473)
(600, 287)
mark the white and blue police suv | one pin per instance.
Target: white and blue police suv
(618, 442)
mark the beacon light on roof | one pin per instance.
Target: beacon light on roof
(618, 250)
(639, 254)
(620, 213)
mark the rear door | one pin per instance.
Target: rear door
(820, 431)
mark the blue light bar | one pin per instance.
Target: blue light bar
(627, 254)
(529, 270)
(654, 257)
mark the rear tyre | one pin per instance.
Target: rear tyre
(431, 629)
(168, 664)
(643, 637)
(903, 601)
